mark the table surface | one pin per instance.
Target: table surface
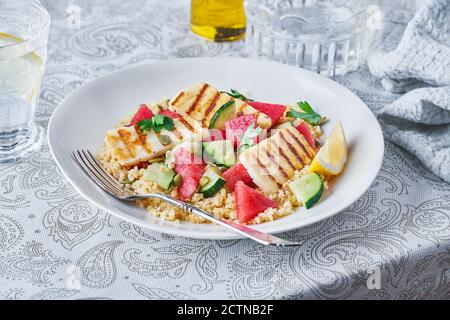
(56, 245)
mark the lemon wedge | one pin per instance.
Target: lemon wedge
(20, 74)
(332, 157)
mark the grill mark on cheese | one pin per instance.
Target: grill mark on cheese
(197, 98)
(178, 98)
(125, 137)
(274, 160)
(300, 143)
(298, 151)
(285, 157)
(266, 171)
(291, 148)
(212, 105)
(143, 139)
(186, 124)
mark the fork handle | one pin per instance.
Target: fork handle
(253, 234)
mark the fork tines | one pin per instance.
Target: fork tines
(94, 170)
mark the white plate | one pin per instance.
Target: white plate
(84, 116)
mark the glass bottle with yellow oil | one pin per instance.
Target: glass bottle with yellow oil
(218, 20)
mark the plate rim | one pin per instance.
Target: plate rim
(221, 234)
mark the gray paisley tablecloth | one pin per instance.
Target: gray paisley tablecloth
(392, 243)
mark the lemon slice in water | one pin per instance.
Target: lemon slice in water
(20, 74)
(332, 157)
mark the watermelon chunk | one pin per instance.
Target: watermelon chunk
(236, 128)
(273, 111)
(215, 135)
(306, 133)
(185, 157)
(143, 113)
(249, 202)
(234, 174)
(170, 114)
(191, 169)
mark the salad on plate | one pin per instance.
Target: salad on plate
(241, 160)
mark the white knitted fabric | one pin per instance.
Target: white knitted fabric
(420, 120)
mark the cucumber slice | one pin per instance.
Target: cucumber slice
(226, 112)
(307, 189)
(160, 174)
(215, 182)
(221, 152)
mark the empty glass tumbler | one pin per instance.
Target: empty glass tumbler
(330, 37)
(24, 28)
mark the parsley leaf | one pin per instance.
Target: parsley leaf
(308, 113)
(157, 123)
(161, 122)
(313, 119)
(248, 139)
(305, 106)
(236, 94)
(145, 125)
(158, 119)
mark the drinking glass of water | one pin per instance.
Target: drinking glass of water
(24, 28)
(330, 37)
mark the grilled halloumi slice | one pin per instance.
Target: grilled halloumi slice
(129, 146)
(201, 102)
(274, 161)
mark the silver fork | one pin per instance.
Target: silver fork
(86, 160)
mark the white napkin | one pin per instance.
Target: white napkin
(420, 120)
